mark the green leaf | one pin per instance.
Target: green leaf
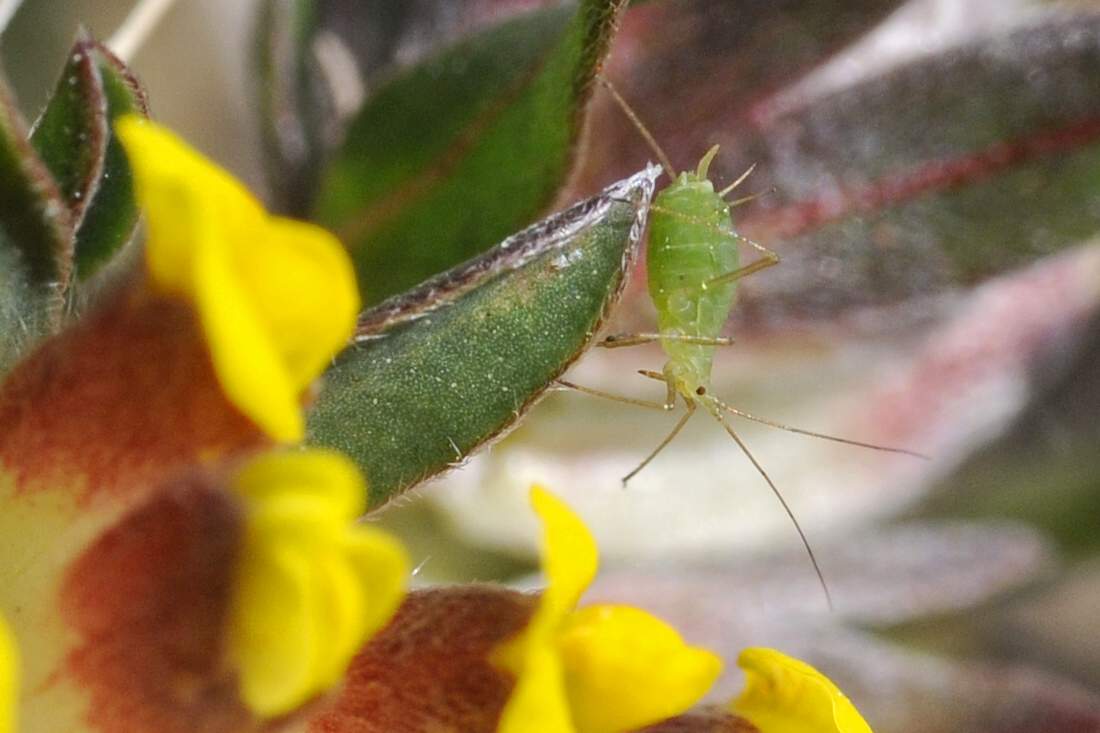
(994, 163)
(75, 139)
(909, 180)
(113, 214)
(699, 71)
(317, 60)
(466, 147)
(1043, 467)
(440, 370)
(71, 134)
(35, 239)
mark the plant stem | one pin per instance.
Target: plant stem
(138, 26)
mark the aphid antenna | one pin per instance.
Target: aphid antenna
(778, 495)
(836, 439)
(666, 163)
(714, 406)
(658, 376)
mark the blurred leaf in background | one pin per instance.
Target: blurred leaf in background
(452, 154)
(35, 239)
(886, 220)
(920, 162)
(915, 189)
(67, 206)
(929, 172)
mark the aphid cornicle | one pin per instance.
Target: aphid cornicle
(693, 265)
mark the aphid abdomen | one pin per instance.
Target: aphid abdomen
(691, 241)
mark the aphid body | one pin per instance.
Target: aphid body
(691, 242)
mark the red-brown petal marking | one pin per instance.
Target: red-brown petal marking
(707, 720)
(429, 670)
(148, 601)
(117, 403)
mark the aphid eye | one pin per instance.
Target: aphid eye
(700, 390)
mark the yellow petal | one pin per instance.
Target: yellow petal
(274, 632)
(382, 567)
(189, 202)
(303, 287)
(538, 703)
(569, 555)
(9, 680)
(327, 475)
(300, 523)
(245, 358)
(343, 604)
(625, 669)
(276, 298)
(312, 584)
(785, 695)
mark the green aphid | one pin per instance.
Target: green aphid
(693, 265)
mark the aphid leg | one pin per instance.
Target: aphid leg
(668, 404)
(767, 253)
(619, 340)
(670, 388)
(739, 273)
(746, 199)
(637, 122)
(713, 409)
(740, 179)
(670, 397)
(768, 260)
(800, 431)
(668, 439)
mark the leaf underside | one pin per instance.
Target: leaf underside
(994, 165)
(447, 367)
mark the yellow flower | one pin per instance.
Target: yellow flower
(9, 679)
(599, 669)
(312, 585)
(785, 695)
(276, 298)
